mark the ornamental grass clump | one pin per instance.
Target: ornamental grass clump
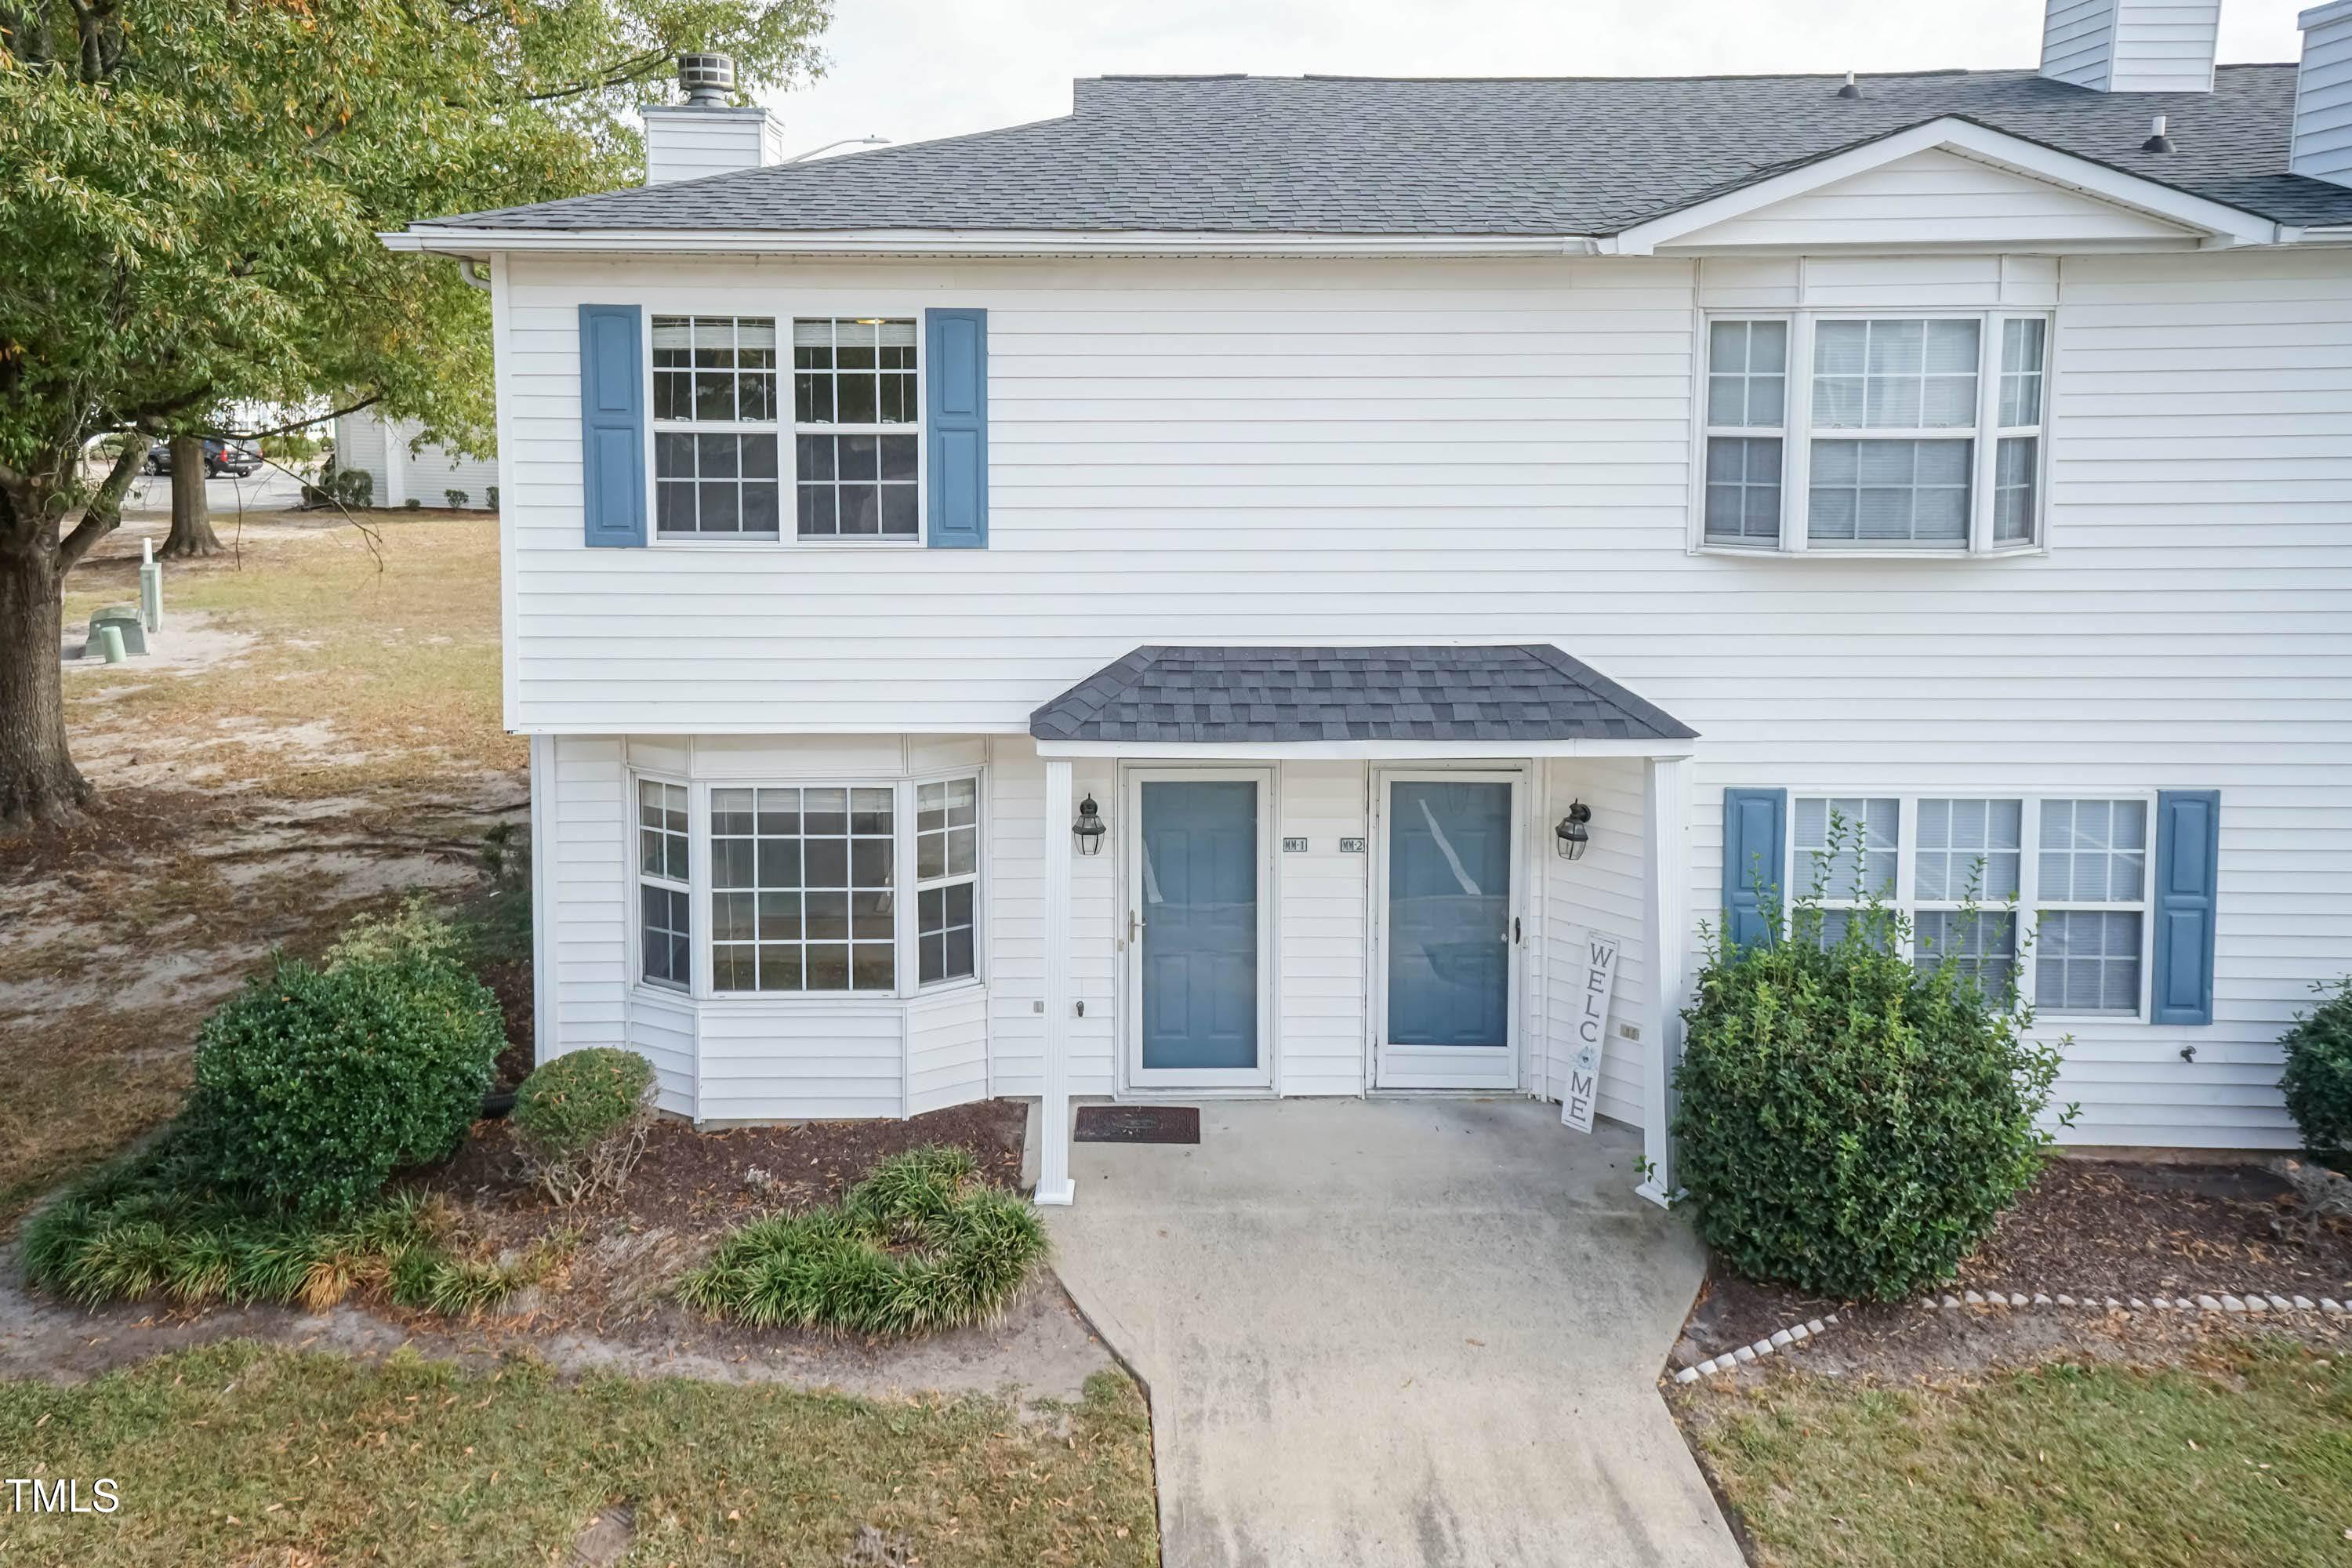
(581, 1122)
(919, 1244)
(2318, 1077)
(1851, 1122)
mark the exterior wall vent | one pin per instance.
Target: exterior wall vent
(2131, 46)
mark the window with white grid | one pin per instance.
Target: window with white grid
(803, 895)
(1974, 876)
(2091, 903)
(1746, 400)
(857, 423)
(665, 886)
(715, 427)
(947, 878)
(1967, 862)
(1829, 432)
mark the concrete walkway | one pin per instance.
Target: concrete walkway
(1393, 1331)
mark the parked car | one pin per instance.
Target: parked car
(220, 458)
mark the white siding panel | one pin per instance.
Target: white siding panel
(662, 1029)
(589, 935)
(1158, 478)
(947, 1050)
(2323, 101)
(1323, 901)
(1602, 892)
(818, 1060)
(1929, 198)
(399, 475)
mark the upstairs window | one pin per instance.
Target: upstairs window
(857, 429)
(1919, 433)
(715, 427)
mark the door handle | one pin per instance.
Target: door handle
(1514, 929)
(1135, 922)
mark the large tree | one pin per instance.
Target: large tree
(189, 193)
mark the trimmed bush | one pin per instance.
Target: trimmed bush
(2318, 1079)
(579, 1121)
(1851, 1125)
(314, 1085)
(918, 1245)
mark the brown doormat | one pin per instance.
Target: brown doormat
(1138, 1124)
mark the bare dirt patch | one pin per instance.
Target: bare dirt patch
(2089, 1229)
(689, 1189)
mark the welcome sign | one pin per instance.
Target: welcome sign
(1598, 974)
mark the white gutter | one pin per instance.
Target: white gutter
(446, 240)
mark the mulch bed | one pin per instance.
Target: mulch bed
(2086, 1228)
(689, 1188)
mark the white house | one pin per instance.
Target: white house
(404, 469)
(1334, 490)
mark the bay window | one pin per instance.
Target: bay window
(1966, 871)
(1874, 434)
(838, 889)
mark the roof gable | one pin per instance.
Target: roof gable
(1947, 180)
(1936, 196)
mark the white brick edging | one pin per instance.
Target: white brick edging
(1779, 1339)
(2253, 1302)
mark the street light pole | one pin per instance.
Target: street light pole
(844, 142)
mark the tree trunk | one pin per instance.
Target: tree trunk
(192, 519)
(38, 781)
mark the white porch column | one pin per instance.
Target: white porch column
(1054, 1184)
(1667, 821)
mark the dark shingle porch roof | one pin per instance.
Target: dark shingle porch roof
(1195, 695)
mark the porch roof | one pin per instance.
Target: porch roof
(1522, 697)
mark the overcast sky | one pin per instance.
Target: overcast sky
(912, 69)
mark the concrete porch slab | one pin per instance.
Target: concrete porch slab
(1406, 1330)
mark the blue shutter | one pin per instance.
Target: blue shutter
(2187, 861)
(1755, 829)
(955, 376)
(612, 424)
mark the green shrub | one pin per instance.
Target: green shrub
(579, 1121)
(918, 1245)
(2318, 1079)
(314, 1085)
(1850, 1124)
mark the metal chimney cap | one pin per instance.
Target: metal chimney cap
(709, 79)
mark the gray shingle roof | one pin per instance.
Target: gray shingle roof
(1194, 695)
(1499, 156)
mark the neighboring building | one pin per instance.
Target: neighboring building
(425, 476)
(1326, 485)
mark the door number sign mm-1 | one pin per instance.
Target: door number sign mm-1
(1599, 969)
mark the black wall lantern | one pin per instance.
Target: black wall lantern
(1088, 826)
(1572, 836)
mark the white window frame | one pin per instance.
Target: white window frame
(792, 430)
(1796, 877)
(976, 877)
(777, 427)
(1798, 435)
(639, 877)
(787, 428)
(904, 886)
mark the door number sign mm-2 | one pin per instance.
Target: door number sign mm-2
(1599, 969)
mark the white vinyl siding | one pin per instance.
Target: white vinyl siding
(1419, 451)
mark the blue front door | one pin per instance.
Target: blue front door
(1448, 936)
(1198, 906)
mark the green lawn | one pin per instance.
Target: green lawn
(238, 1455)
(2244, 1461)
